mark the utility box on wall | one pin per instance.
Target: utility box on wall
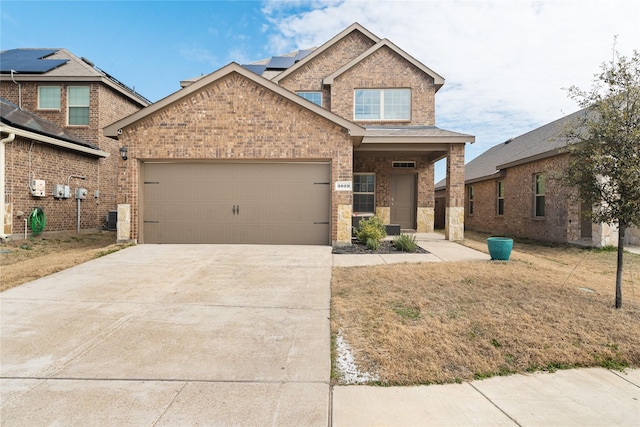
(61, 191)
(81, 193)
(38, 187)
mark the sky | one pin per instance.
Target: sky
(506, 63)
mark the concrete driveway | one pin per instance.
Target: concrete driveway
(172, 335)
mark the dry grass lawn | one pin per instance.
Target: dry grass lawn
(24, 260)
(547, 308)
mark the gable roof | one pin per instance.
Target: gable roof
(113, 129)
(437, 78)
(545, 141)
(57, 64)
(29, 125)
(316, 52)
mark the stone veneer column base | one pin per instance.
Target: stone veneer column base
(454, 223)
(426, 218)
(344, 225)
(384, 213)
(123, 225)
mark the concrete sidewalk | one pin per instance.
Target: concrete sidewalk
(578, 397)
(440, 250)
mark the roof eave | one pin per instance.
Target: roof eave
(53, 141)
(525, 160)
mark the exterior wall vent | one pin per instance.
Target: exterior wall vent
(404, 165)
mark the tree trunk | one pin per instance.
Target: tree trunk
(621, 234)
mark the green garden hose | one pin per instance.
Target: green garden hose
(38, 220)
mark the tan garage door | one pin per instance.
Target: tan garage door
(259, 203)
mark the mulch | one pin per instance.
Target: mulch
(386, 247)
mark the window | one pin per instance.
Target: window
(315, 97)
(500, 195)
(382, 104)
(49, 97)
(470, 190)
(540, 180)
(364, 192)
(78, 103)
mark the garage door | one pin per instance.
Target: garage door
(259, 203)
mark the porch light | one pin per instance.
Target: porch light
(123, 153)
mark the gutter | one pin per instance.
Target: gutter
(54, 141)
(3, 141)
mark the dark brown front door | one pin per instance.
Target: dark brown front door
(403, 200)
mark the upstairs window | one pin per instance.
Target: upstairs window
(500, 196)
(382, 104)
(364, 187)
(78, 104)
(315, 97)
(49, 97)
(539, 184)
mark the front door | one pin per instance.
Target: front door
(403, 201)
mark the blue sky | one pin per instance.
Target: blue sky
(505, 62)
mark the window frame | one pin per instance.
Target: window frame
(371, 193)
(70, 106)
(302, 94)
(470, 200)
(539, 199)
(500, 198)
(381, 105)
(40, 107)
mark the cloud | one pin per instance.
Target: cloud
(505, 62)
(198, 54)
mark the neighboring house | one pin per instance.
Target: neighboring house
(54, 107)
(515, 189)
(288, 150)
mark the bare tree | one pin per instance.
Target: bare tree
(605, 149)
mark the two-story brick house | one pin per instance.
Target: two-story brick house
(288, 149)
(54, 107)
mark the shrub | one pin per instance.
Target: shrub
(371, 228)
(373, 244)
(405, 242)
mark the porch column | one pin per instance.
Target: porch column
(454, 212)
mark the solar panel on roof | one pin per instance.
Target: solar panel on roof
(258, 69)
(29, 61)
(281, 62)
(302, 54)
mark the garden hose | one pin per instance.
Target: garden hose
(38, 220)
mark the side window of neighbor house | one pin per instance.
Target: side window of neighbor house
(364, 187)
(540, 183)
(48, 97)
(470, 192)
(500, 197)
(315, 97)
(78, 105)
(382, 104)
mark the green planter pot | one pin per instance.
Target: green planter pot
(500, 248)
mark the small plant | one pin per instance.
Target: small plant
(405, 243)
(371, 229)
(373, 244)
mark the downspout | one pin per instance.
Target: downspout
(19, 89)
(3, 141)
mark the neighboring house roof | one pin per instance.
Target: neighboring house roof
(438, 79)
(545, 141)
(59, 65)
(29, 125)
(355, 130)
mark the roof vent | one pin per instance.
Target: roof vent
(508, 141)
(87, 61)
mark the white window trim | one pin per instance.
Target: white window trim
(59, 98)
(498, 198)
(381, 92)
(69, 106)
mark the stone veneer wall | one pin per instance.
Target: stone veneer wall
(235, 118)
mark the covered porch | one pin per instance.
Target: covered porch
(393, 176)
